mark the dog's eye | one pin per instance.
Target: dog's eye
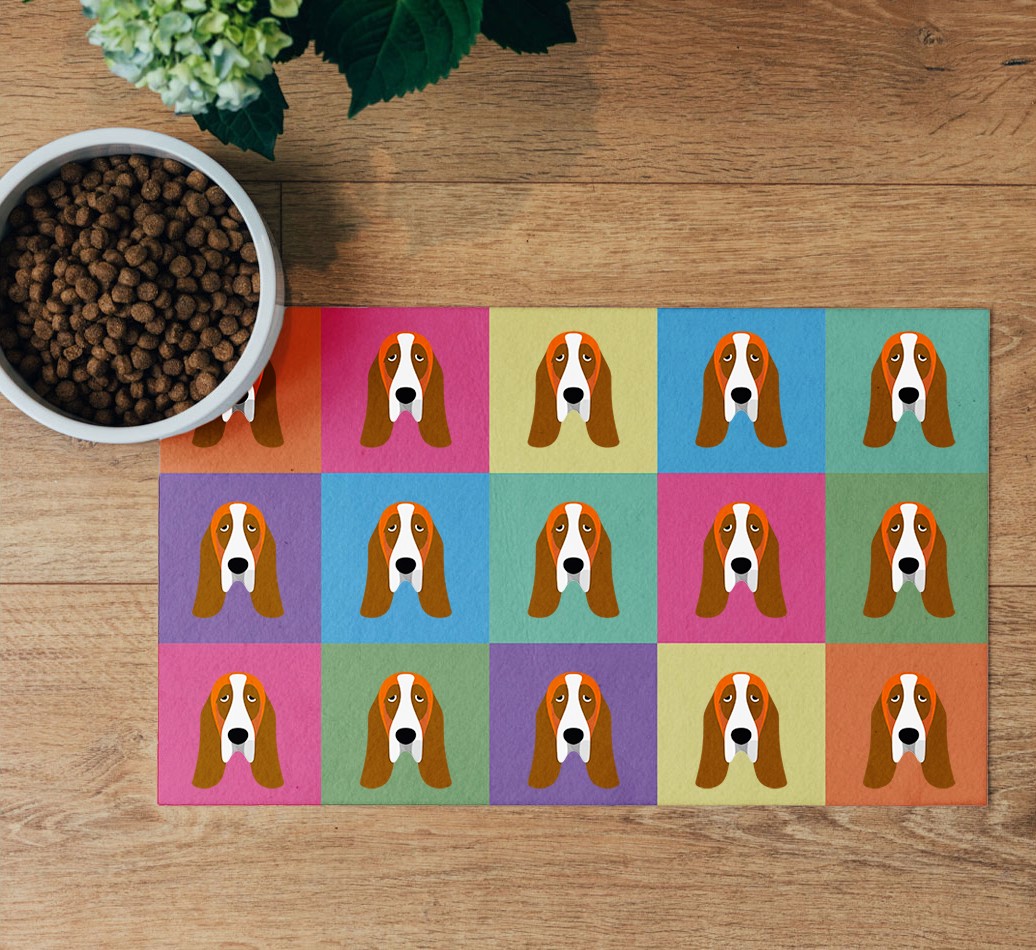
(560, 358)
(922, 528)
(728, 357)
(922, 699)
(418, 699)
(224, 528)
(727, 528)
(894, 358)
(894, 529)
(392, 528)
(587, 528)
(392, 697)
(225, 698)
(893, 699)
(559, 528)
(587, 698)
(729, 698)
(587, 357)
(921, 358)
(250, 527)
(251, 698)
(393, 357)
(753, 357)
(419, 528)
(754, 528)
(560, 698)
(418, 358)
(753, 699)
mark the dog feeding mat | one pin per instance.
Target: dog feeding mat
(584, 556)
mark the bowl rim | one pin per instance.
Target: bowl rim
(103, 142)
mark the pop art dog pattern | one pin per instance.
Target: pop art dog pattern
(908, 379)
(573, 722)
(406, 377)
(238, 718)
(741, 377)
(573, 549)
(405, 718)
(909, 719)
(741, 548)
(741, 716)
(238, 548)
(908, 549)
(573, 377)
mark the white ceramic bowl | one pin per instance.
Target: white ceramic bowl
(42, 165)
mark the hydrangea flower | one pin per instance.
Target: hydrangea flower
(194, 53)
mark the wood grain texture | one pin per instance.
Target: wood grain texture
(695, 91)
(858, 152)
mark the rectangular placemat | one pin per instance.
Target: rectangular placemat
(584, 556)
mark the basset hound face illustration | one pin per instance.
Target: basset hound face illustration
(908, 378)
(741, 547)
(741, 376)
(238, 717)
(258, 406)
(573, 718)
(405, 377)
(741, 716)
(405, 718)
(238, 548)
(573, 377)
(908, 548)
(406, 547)
(573, 548)
(908, 718)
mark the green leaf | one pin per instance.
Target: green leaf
(527, 26)
(300, 29)
(254, 128)
(388, 48)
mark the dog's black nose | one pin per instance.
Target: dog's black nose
(405, 565)
(741, 394)
(572, 565)
(741, 735)
(572, 394)
(741, 565)
(237, 736)
(237, 565)
(573, 736)
(406, 395)
(908, 565)
(908, 736)
(405, 736)
(908, 395)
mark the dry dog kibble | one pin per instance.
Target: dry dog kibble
(128, 288)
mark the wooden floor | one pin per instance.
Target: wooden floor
(814, 153)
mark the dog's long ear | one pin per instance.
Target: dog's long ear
(769, 595)
(209, 434)
(377, 598)
(769, 424)
(545, 425)
(266, 426)
(210, 766)
(880, 767)
(433, 427)
(433, 767)
(209, 599)
(713, 596)
(880, 425)
(601, 767)
(712, 429)
(377, 767)
(601, 424)
(377, 426)
(936, 426)
(712, 768)
(545, 593)
(936, 596)
(600, 597)
(881, 598)
(545, 764)
(936, 765)
(266, 595)
(433, 596)
(266, 766)
(769, 766)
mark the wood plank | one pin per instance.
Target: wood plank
(78, 807)
(697, 91)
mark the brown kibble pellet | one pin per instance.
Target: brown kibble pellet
(153, 225)
(122, 294)
(248, 253)
(210, 282)
(240, 337)
(228, 326)
(147, 291)
(197, 181)
(135, 255)
(65, 390)
(129, 277)
(179, 266)
(141, 358)
(197, 204)
(210, 336)
(142, 312)
(223, 351)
